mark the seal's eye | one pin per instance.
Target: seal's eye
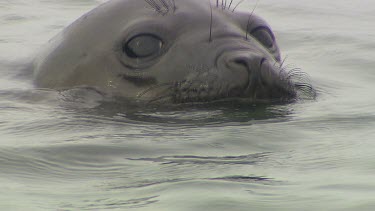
(264, 36)
(142, 46)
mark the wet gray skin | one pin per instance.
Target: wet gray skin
(168, 51)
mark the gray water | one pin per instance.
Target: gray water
(72, 151)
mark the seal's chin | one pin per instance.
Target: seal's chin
(281, 94)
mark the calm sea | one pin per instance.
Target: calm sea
(62, 152)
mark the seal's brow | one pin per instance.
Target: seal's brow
(163, 7)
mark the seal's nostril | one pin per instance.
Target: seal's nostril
(262, 61)
(241, 62)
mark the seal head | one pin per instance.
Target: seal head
(168, 51)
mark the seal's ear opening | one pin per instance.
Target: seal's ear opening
(143, 46)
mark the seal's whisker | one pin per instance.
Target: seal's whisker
(248, 21)
(303, 80)
(304, 86)
(158, 98)
(150, 3)
(301, 83)
(296, 72)
(154, 5)
(210, 38)
(230, 4)
(282, 72)
(166, 6)
(174, 5)
(298, 76)
(141, 94)
(163, 7)
(283, 61)
(306, 89)
(237, 5)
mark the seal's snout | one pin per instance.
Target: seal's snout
(244, 60)
(265, 79)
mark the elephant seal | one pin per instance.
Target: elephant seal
(169, 51)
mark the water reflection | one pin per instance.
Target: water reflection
(223, 112)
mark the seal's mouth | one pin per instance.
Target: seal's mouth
(287, 87)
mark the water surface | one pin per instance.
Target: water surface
(71, 151)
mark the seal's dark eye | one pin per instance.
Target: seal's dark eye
(142, 46)
(264, 36)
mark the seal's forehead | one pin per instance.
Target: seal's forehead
(168, 7)
(204, 9)
(249, 17)
(162, 6)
